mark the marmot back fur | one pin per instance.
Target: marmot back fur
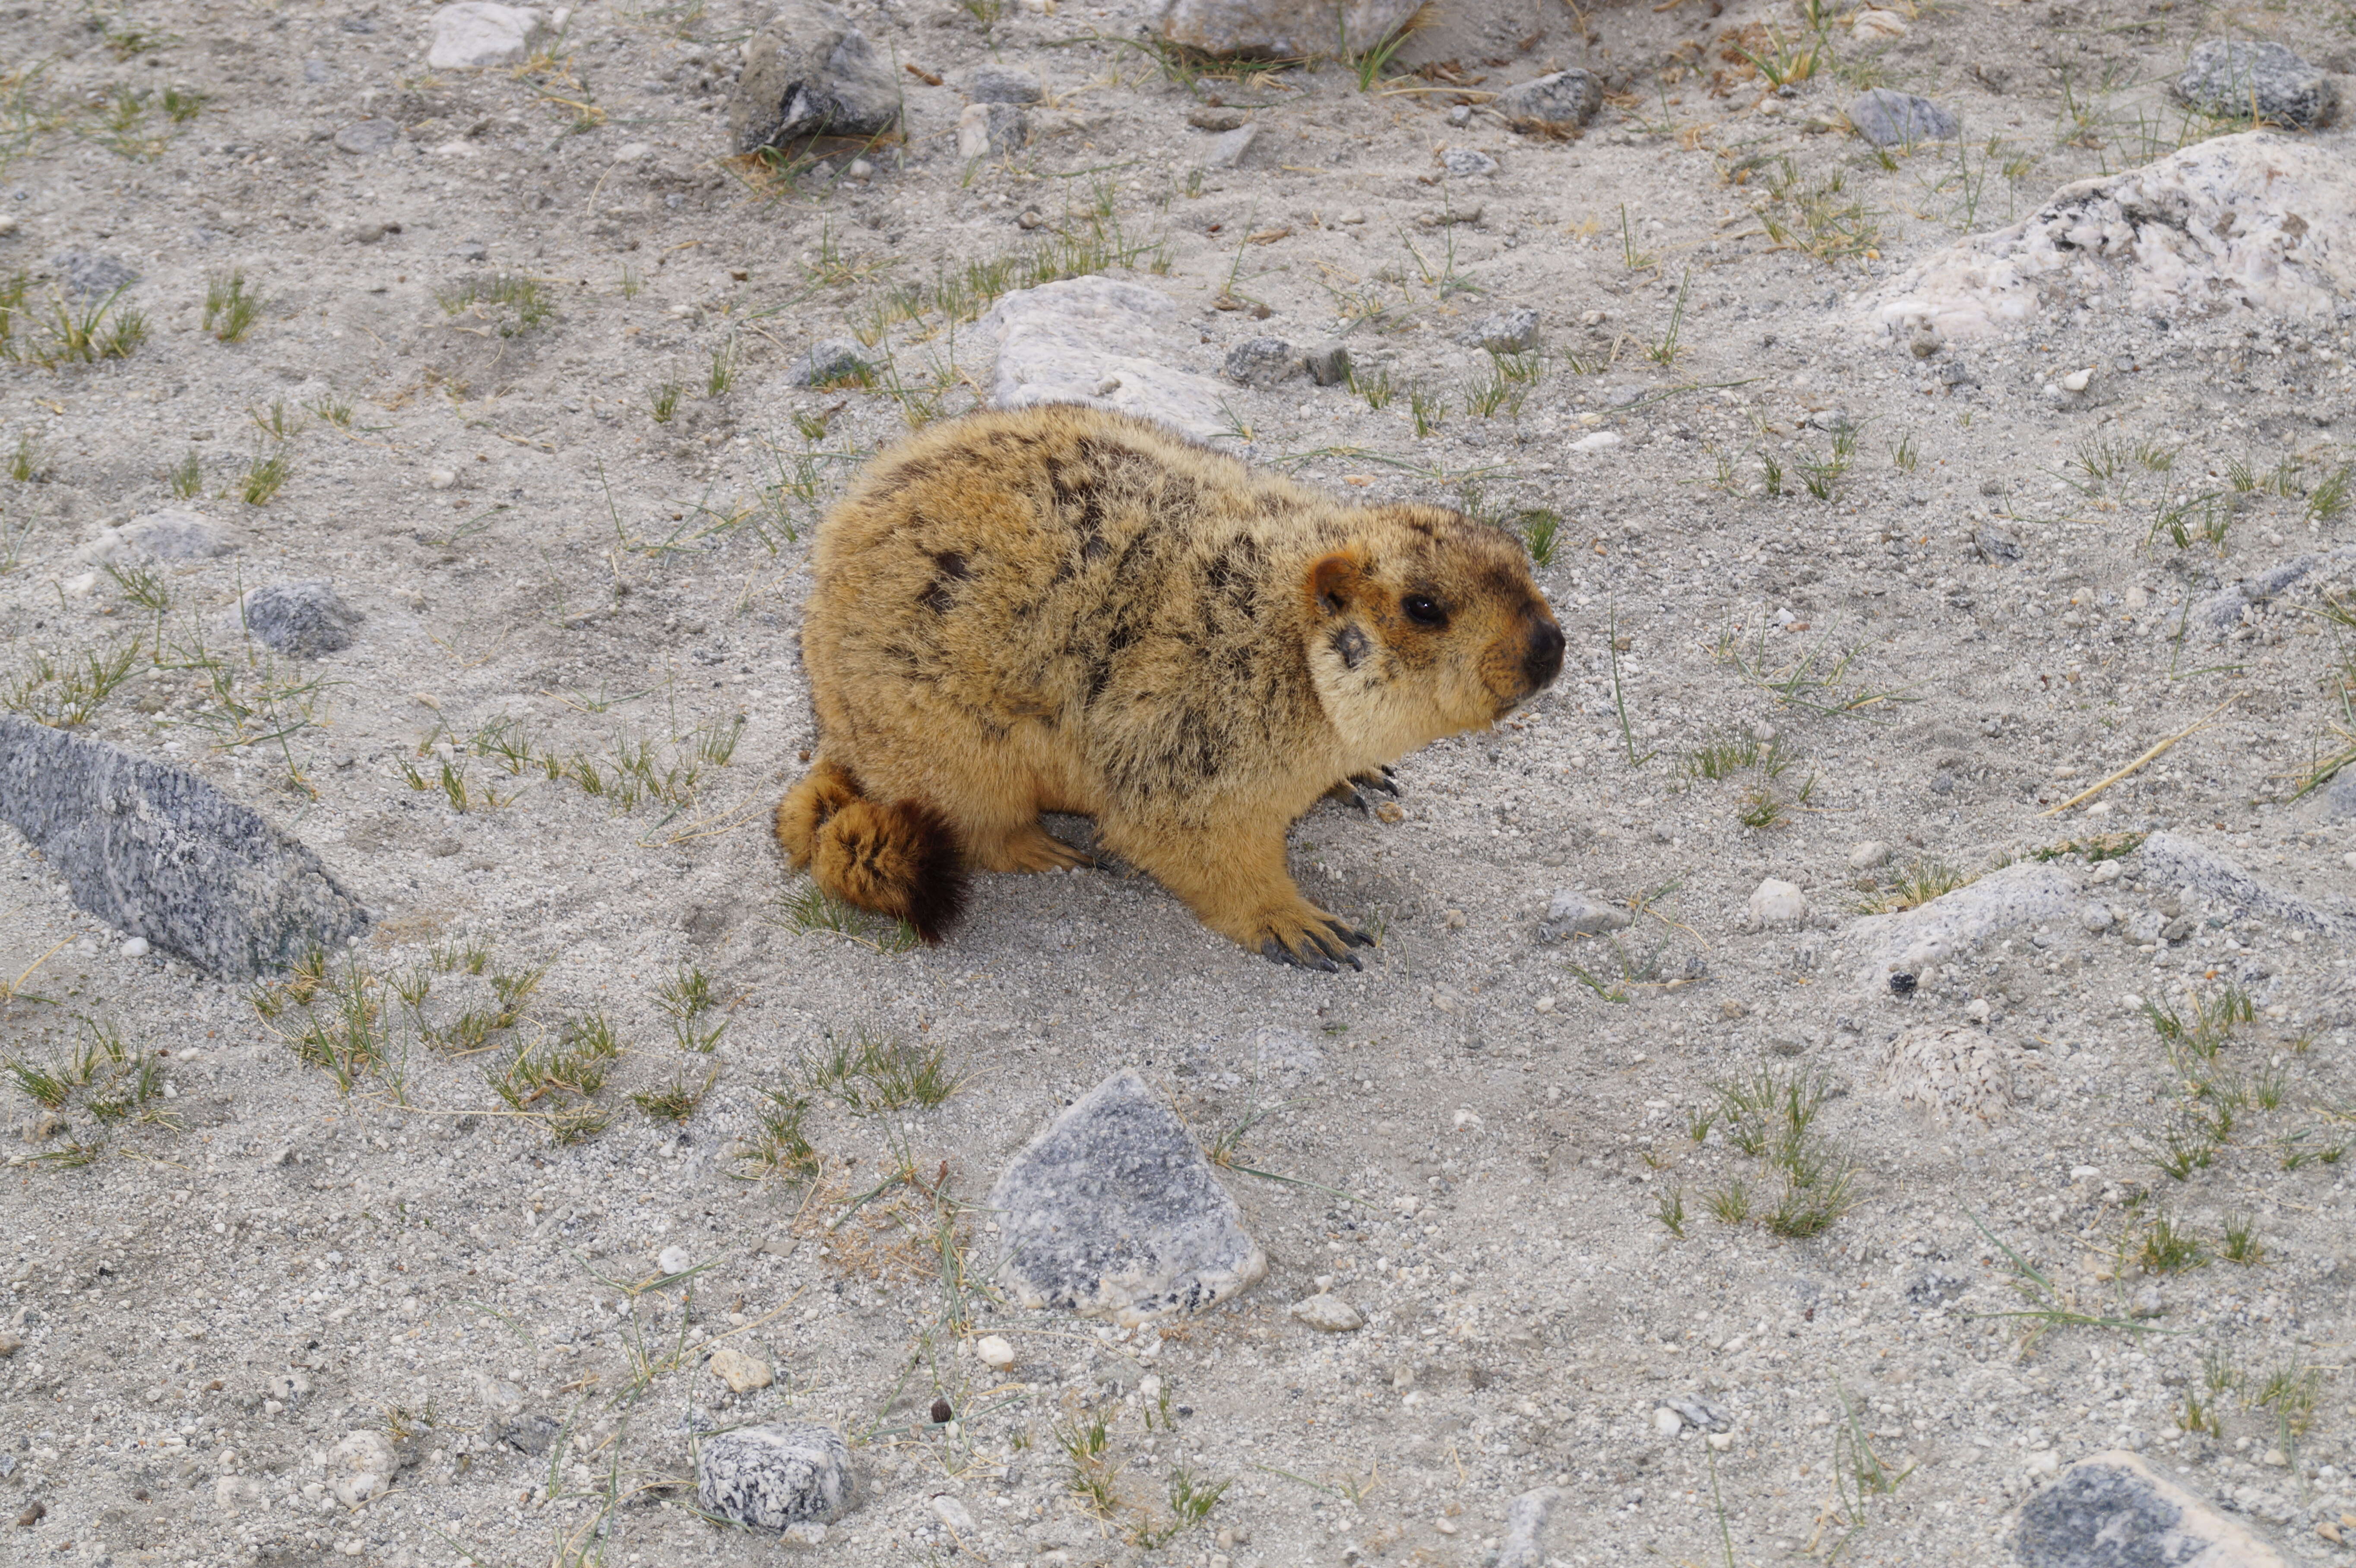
(1063, 609)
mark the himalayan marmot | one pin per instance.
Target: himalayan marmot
(1063, 609)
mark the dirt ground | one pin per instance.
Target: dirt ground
(1648, 1217)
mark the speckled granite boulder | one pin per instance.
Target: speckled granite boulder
(1113, 1213)
(2112, 1511)
(774, 1476)
(302, 618)
(2230, 78)
(808, 73)
(157, 852)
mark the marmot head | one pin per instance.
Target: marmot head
(1426, 625)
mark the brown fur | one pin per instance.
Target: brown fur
(1062, 609)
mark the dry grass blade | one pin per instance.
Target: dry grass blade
(2090, 793)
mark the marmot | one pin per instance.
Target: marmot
(1064, 609)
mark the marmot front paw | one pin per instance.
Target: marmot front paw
(1356, 789)
(1315, 941)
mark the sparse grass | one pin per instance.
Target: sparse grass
(280, 423)
(1541, 534)
(187, 477)
(1811, 214)
(264, 477)
(1772, 1115)
(230, 307)
(871, 1074)
(675, 1100)
(721, 373)
(2205, 1025)
(333, 409)
(65, 691)
(1613, 647)
(105, 1080)
(98, 330)
(2167, 1248)
(1729, 1204)
(685, 996)
(509, 302)
(778, 1144)
(181, 104)
(2046, 1307)
(1809, 682)
(1670, 1210)
(2241, 1244)
(1666, 352)
(1905, 454)
(1426, 409)
(1917, 885)
(1090, 1473)
(26, 462)
(143, 586)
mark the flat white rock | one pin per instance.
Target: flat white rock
(1104, 343)
(1329, 1313)
(475, 33)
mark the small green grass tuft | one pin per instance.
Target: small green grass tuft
(230, 307)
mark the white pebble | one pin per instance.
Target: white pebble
(2075, 381)
(995, 1352)
(1667, 1422)
(1868, 854)
(674, 1259)
(134, 948)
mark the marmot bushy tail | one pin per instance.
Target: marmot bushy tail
(1060, 609)
(897, 858)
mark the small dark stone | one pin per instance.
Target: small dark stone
(1000, 84)
(1328, 364)
(1996, 547)
(1261, 361)
(363, 137)
(305, 619)
(941, 1412)
(529, 1432)
(1902, 984)
(1555, 105)
(1889, 119)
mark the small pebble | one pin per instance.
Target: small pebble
(1869, 855)
(134, 948)
(996, 1353)
(1329, 1313)
(674, 1259)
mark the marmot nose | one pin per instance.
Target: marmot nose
(1542, 661)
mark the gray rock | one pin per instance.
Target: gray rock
(2169, 861)
(1328, 364)
(1217, 117)
(1105, 343)
(2234, 78)
(990, 130)
(2340, 796)
(809, 72)
(1283, 30)
(834, 360)
(1996, 547)
(1261, 361)
(1227, 150)
(1465, 162)
(157, 852)
(1113, 1213)
(1526, 1522)
(527, 1432)
(1575, 914)
(2221, 610)
(1328, 1314)
(173, 534)
(1555, 105)
(2112, 1511)
(2027, 891)
(1888, 118)
(478, 33)
(1000, 84)
(367, 137)
(90, 275)
(1507, 332)
(306, 619)
(774, 1478)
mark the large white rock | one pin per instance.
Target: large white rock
(1289, 29)
(476, 33)
(1107, 344)
(2256, 221)
(1774, 903)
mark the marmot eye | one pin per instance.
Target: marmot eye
(1424, 609)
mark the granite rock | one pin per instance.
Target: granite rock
(2113, 1511)
(809, 72)
(157, 852)
(1228, 149)
(1554, 105)
(2234, 78)
(1526, 1522)
(2171, 861)
(305, 619)
(1512, 331)
(1114, 1213)
(1105, 343)
(2019, 894)
(1467, 163)
(991, 129)
(776, 1477)
(1571, 913)
(1286, 29)
(1261, 361)
(476, 33)
(88, 274)
(363, 137)
(834, 360)
(991, 83)
(173, 534)
(1888, 118)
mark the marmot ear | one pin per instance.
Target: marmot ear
(1335, 580)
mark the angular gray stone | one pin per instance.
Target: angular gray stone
(305, 619)
(2112, 1511)
(528, 1432)
(366, 136)
(2233, 77)
(1105, 343)
(174, 533)
(1280, 29)
(809, 72)
(777, 1476)
(1526, 1523)
(157, 852)
(2221, 610)
(1505, 332)
(2172, 862)
(1467, 163)
(1575, 914)
(478, 33)
(2019, 894)
(1328, 364)
(990, 130)
(2340, 796)
(87, 274)
(1227, 150)
(1000, 84)
(1261, 361)
(1555, 105)
(1888, 118)
(1113, 1213)
(833, 360)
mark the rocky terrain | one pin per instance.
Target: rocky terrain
(1870, 1040)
